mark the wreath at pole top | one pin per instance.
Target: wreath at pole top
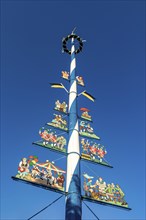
(64, 41)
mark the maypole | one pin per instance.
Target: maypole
(54, 134)
(73, 184)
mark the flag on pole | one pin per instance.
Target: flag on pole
(57, 85)
(88, 96)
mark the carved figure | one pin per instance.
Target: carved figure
(23, 168)
(65, 74)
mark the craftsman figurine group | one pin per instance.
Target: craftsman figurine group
(50, 137)
(104, 192)
(93, 150)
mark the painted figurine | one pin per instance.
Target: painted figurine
(101, 188)
(88, 187)
(61, 106)
(110, 193)
(41, 173)
(86, 115)
(35, 172)
(80, 80)
(48, 136)
(85, 145)
(51, 180)
(60, 179)
(64, 107)
(23, 168)
(101, 153)
(86, 127)
(120, 195)
(59, 122)
(65, 75)
(61, 142)
(93, 150)
(57, 105)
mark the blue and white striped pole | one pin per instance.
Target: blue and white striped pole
(73, 184)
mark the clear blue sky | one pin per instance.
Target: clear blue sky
(113, 67)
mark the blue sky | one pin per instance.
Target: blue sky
(113, 67)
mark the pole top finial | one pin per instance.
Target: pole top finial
(73, 31)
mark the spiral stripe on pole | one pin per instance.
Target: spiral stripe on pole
(72, 89)
(73, 65)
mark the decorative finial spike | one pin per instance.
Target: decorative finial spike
(73, 30)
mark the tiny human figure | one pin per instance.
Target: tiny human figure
(101, 187)
(42, 174)
(109, 192)
(56, 120)
(82, 126)
(89, 129)
(80, 80)
(44, 134)
(63, 123)
(93, 151)
(61, 142)
(61, 106)
(35, 172)
(23, 168)
(85, 145)
(113, 190)
(88, 187)
(48, 136)
(86, 115)
(57, 104)
(60, 179)
(65, 74)
(120, 195)
(59, 122)
(50, 178)
(64, 106)
(101, 152)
